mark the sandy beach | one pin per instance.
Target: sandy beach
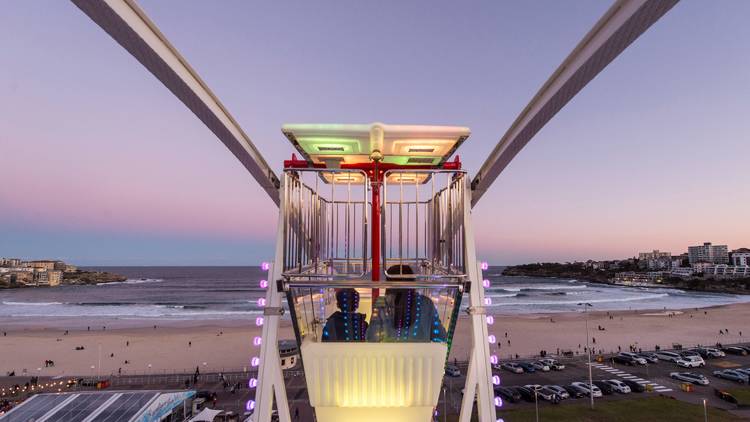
(227, 345)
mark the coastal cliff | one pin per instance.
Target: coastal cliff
(91, 277)
(580, 272)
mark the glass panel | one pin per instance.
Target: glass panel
(348, 314)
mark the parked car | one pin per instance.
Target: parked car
(560, 391)
(510, 366)
(747, 348)
(553, 364)
(650, 357)
(709, 352)
(639, 360)
(587, 389)
(689, 353)
(527, 367)
(624, 360)
(745, 371)
(618, 386)
(540, 366)
(574, 392)
(690, 377)
(731, 375)
(452, 370)
(725, 395)
(634, 386)
(526, 393)
(605, 387)
(734, 350)
(543, 393)
(668, 356)
(714, 352)
(690, 361)
(508, 394)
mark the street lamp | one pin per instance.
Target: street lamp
(705, 411)
(588, 350)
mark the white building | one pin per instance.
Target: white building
(715, 254)
(741, 257)
(655, 260)
(727, 271)
(682, 272)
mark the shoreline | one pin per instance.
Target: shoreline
(226, 345)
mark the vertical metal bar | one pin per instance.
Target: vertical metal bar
(401, 224)
(416, 219)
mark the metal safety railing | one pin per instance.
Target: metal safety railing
(325, 218)
(423, 223)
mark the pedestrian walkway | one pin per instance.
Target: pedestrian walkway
(622, 374)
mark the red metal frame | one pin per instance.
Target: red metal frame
(375, 171)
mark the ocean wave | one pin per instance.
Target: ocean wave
(545, 287)
(573, 302)
(133, 281)
(31, 303)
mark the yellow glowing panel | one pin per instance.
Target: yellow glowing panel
(407, 178)
(419, 147)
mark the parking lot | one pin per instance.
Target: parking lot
(654, 375)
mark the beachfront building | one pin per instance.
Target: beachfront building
(699, 267)
(727, 271)
(714, 254)
(655, 260)
(740, 256)
(41, 264)
(288, 354)
(10, 262)
(683, 272)
(631, 278)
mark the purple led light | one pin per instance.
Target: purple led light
(255, 361)
(259, 321)
(486, 283)
(252, 383)
(262, 302)
(485, 266)
(250, 405)
(491, 338)
(263, 284)
(490, 320)
(496, 380)
(488, 301)
(493, 359)
(265, 266)
(256, 341)
(499, 403)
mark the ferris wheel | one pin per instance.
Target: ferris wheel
(375, 252)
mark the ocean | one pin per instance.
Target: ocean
(231, 293)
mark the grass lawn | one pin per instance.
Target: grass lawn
(741, 394)
(656, 409)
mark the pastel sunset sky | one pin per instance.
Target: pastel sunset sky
(101, 165)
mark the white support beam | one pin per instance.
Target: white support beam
(479, 373)
(128, 24)
(622, 24)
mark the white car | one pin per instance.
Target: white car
(553, 364)
(690, 361)
(587, 389)
(540, 366)
(690, 377)
(618, 386)
(714, 353)
(668, 356)
(452, 370)
(639, 360)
